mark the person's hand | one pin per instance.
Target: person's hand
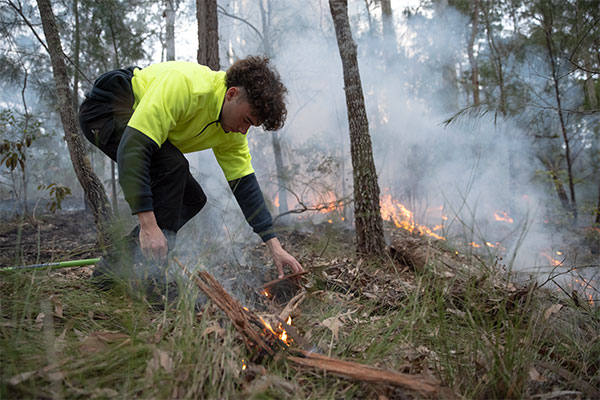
(282, 258)
(153, 242)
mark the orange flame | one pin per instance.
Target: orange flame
(280, 332)
(551, 259)
(503, 216)
(402, 217)
(276, 201)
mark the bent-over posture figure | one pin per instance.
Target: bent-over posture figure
(145, 119)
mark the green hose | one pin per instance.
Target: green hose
(54, 265)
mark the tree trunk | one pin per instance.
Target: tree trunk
(113, 164)
(169, 15)
(558, 185)
(387, 20)
(92, 186)
(597, 221)
(470, 51)
(25, 176)
(367, 213)
(561, 120)
(208, 34)
(281, 176)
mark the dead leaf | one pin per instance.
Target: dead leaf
(58, 308)
(535, 376)
(56, 376)
(15, 380)
(39, 321)
(105, 393)
(161, 358)
(92, 344)
(334, 324)
(98, 341)
(59, 342)
(554, 308)
(165, 360)
(214, 328)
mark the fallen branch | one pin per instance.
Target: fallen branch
(242, 319)
(292, 305)
(350, 369)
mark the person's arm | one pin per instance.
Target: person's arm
(249, 196)
(133, 158)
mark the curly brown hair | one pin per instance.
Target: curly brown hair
(264, 90)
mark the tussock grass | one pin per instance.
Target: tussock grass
(480, 335)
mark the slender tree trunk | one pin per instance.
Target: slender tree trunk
(113, 165)
(76, 49)
(367, 213)
(555, 80)
(558, 185)
(25, 176)
(597, 221)
(208, 34)
(276, 137)
(169, 15)
(387, 20)
(471, 53)
(281, 176)
(92, 186)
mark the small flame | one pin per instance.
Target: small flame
(244, 366)
(276, 201)
(551, 259)
(265, 293)
(280, 332)
(503, 216)
(473, 244)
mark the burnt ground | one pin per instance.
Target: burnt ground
(55, 237)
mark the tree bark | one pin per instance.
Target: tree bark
(92, 186)
(281, 176)
(558, 185)
(387, 20)
(208, 34)
(169, 15)
(367, 213)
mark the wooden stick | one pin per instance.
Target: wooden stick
(349, 369)
(230, 306)
(243, 319)
(292, 305)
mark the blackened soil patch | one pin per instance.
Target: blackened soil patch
(62, 236)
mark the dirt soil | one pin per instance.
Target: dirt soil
(62, 236)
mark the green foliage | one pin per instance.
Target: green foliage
(23, 131)
(57, 194)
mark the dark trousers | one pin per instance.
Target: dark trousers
(103, 117)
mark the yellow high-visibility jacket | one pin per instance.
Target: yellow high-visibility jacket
(181, 101)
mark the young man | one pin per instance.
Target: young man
(145, 119)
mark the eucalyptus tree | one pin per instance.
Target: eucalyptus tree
(367, 213)
(208, 33)
(94, 191)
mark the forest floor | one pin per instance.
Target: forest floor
(424, 310)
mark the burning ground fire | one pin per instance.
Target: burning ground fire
(397, 213)
(394, 211)
(279, 330)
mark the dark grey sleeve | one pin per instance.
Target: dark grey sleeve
(250, 198)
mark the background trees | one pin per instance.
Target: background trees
(517, 80)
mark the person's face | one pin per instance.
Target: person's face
(236, 114)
